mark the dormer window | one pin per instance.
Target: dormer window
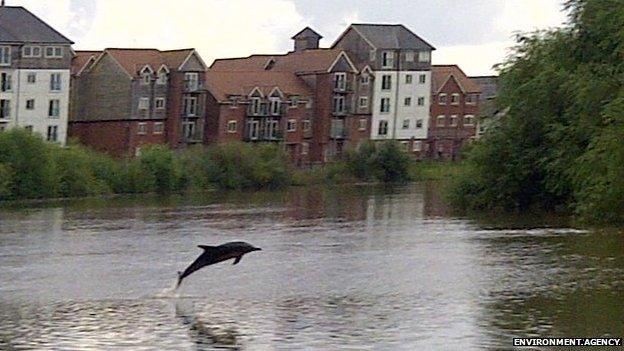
(255, 105)
(275, 106)
(364, 79)
(54, 52)
(387, 59)
(162, 76)
(424, 56)
(191, 81)
(340, 81)
(146, 75)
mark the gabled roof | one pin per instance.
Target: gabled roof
(488, 84)
(388, 36)
(442, 73)
(301, 62)
(307, 32)
(134, 60)
(223, 84)
(18, 25)
(82, 60)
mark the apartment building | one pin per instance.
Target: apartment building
(489, 111)
(124, 99)
(454, 111)
(400, 63)
(337, 118)
(35, 65)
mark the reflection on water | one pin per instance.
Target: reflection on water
(349, 268)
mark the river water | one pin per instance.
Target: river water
(351, 268)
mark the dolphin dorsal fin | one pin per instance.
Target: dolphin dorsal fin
(206, 247)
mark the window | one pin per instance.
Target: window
(232, 126)
(30, 104)
(305, 148)
(55, 82)
(362, 124)
(191, 81)
(5, 109)
(340, 81)
(142, 128)
(363, 102)
(31, 51)
(417, 147)
(146, 78)
(442, 99)
(29, 128)
(162, 77)
(188, 130)
(159, 127)
(405, 145)
(294, 101)
(419, 123)
(424, 56)
(5, 82)
(365, 79)
(291, 126)
(421, 101)
(5, 55)
(372, 55)
(385, 105)
(307, 125)
(383, 128)
(190, 106)
(471, 99)
(454, 121)
(160, 103)
(54, 52)
(386, 82)
(387, 59)
(422, 79)
(408, 101)
(54, 108)
(440, 120)
(255, 106)
(52, 134)
(339, 104)
(406, 123)
(455, 99)
(409, 56)
(144, 103)
(408, 79)
(275, 106)
(468, 120)
(32, 78)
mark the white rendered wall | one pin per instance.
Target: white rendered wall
(21, 91)
(398, 112)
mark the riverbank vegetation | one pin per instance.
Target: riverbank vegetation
(560, 145)
(31, 168)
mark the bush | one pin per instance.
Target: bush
(160, 170)
(385, 162)
(6, 181)
(28, 156)
(76, 172)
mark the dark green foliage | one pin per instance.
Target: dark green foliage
(159, 170)
(76, 173)
(6, 181)
(559, 146)
(28, 158)
(385, 162)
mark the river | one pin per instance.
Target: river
(348, 268)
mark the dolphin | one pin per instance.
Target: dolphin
(216, 254)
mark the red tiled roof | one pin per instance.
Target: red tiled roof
(441, 74)
(81, 58)
(315, 60)
(224, 83)
(133, 60)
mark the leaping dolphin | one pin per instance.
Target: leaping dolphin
(216, 254)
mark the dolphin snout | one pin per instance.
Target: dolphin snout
(256, 249)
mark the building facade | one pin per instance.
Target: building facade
(400, 63)
(336, 120)
(35, 65)
(125, 99)
(454, 112)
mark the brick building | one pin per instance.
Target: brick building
(123, 99)
(337, 119)
(454, 111)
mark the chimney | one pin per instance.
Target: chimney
(2, 5)
(306, 39)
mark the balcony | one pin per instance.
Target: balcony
(263, 135)
(264, 110)
(343, 87)
(193, 86)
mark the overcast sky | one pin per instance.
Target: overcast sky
(471, 33)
